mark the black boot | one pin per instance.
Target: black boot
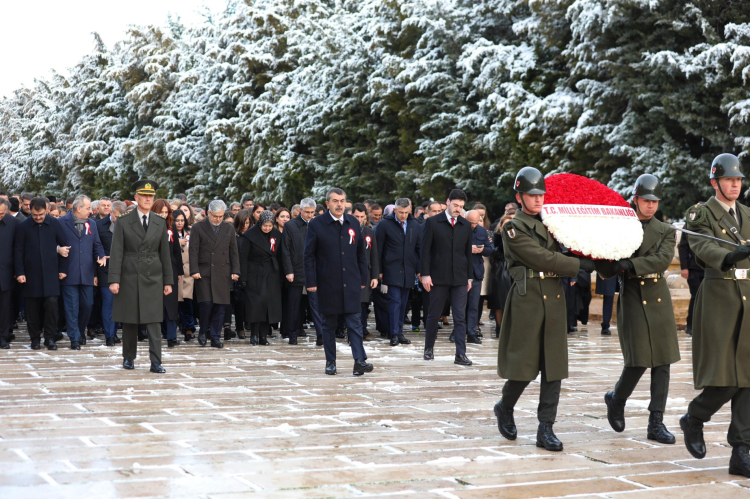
(656, 429)
(693, 432)
(253, 339)
(229, 334)
(262, 335)
(546, 438)
(361, 367)
(505, 422)
(739, 464)
(202, 338)
(615, 411)
(497, 330)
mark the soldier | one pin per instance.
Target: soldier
(721, 333)
(533, 333)
(140, 275)
(645, 318)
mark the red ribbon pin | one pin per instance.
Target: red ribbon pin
(368, 239)
(169, 232)
(351, 236)
(273, 244)
(88, 230)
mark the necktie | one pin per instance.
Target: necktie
(145, 224)
(731, 212)
(403, 226)
(453, 222)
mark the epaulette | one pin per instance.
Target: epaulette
(696, 214)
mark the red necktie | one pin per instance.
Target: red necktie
(453, 222)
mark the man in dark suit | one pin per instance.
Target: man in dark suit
(85, 252)
(39, 269)
(336, 268)
(481, 246)
(359, 211)
(140, 275)
(690, 270)
(106, 228)
(447, 271)
(292, 259)
(398, 237)
(7, 270)
(214, 264)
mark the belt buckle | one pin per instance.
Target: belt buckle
(541, 275)
(740, 273)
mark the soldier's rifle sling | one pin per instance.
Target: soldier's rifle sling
(712, 238)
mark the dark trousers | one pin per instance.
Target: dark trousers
(238, 308)
(659, 385)
(15, 304)
(570, 302)
(108, 299)
(186, 315)
(549, 393)
(260, 330)
(293, 311)
(380, 302)
(130, 341)
(79, 299)
(95, 319)
(416, 307)
(354, 328)
(472, 307)
(364, 312)
(608, 303)
(713, 398)
(168, 327)
(438, 297)
(695, 278)
(317, 318)
(6, 321)
(398, 299)
(41, 314)
(212, 318)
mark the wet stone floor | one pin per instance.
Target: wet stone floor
(267, 422)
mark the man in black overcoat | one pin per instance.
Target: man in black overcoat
(41, 263)
(336, 268)
(7, 271)
(447, 271)
(359, 211)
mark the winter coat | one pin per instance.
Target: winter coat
(171, 301)
(84, 251)
(36, 256)
(260, 264)
(215, 259)
(372, 260)
(8, 227)
(293, 250)
(398, 252)
(446, 255)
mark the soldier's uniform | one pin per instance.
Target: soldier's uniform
(533, 333)
(645, 318)
(721, 321)
(141, 264)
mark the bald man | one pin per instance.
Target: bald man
(481, 246)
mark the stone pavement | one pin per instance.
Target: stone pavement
(266, 422)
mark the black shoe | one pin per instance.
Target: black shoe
(128, 364)
(4, 344)
(229, 334)
(241, 335)
(452, 337)
(330, 368)
(407, 321)
(615, 411)
(693, 432)
(739, 464)
(57, 337)
(440, 326)
(202, 339)
(361, 367)
(110, 342)
(689, 330)
(216, 343)
(82, 341)
(474, 339)
(74, 345)
(497, 330)
(505, 422)
(303, 334)
(546, 438)
(263, 342)
(340, 333)
(479, 334)
(319, 341)
(394, 341)
(91, 333)
(51, 345)
(428, 355)
(172, 343)
(462, 360)
(403, 340)
(36, 345)
(142, 336)
(156, 368)
(572, 329)
(292, 341)
(253, 339)
(606, 332)
(11, 337)
(117, 339)
(656, 429)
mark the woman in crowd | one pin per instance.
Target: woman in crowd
(260, 264)
(171, 314)
(501, 280)
(241, 225)
(257, 210)
(283, 215)
(55, 211)
(189, 216)
(185, 288)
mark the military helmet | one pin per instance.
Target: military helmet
(726, 165)
(529, 180)
(647, 187)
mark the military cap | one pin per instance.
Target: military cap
(726, 165)
(147, 187)
(647, 187)
(530, 180)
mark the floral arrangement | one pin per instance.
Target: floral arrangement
(589, 218)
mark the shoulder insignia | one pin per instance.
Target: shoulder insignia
(696, 215)
(511, 232)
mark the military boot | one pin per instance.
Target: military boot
(505, 422)
(615, 411)
(656, 429)
(546, 438)
(693, 431)
(739, 464)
